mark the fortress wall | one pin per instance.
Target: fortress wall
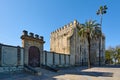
(49, 58)
(78, 48)
(62, 60)
(67, 60)
(65, 28)
(43, 59)
(22, 57)
(55, 59)
(60, 38)
(103, 50)
(11, 58)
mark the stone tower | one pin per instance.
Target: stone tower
(33, 48)
(60, 39)
(66, 40)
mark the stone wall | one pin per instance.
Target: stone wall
(60, 39)
(11, 58)
(56, 59)
(11, 55)
(11, 68)
(78, 48)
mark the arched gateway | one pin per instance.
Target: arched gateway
(33, 49)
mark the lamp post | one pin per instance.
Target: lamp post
(100, 12)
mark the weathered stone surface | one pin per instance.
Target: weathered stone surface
(67, 41)
(30, 40)
(9, 55)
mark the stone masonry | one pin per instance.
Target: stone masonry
(66, 40)
(31, 40)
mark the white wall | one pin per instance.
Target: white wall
(56, 59)
(22, 58)
(49, 59)
(43, 58)
(62, 60)
(10, 56)
(67, 60)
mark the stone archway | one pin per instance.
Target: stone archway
(34, 56)
(32, 44)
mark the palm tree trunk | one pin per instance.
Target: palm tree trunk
(89, 65)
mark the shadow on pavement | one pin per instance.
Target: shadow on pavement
(23, 76)
(109, 66)
(97, 74)
(79, 71)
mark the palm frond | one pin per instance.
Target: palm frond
(89, 27)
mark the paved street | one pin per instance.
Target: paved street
(76, 73)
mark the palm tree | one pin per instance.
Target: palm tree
(87, 30)
(101, 11)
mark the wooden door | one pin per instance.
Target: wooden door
(34, 56)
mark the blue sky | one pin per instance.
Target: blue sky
(44, 16)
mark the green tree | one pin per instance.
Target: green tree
(117, 54)
(87, 30)
(114, 54)
(108, 57)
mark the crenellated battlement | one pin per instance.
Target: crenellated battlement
(31, 36)
(69, 25)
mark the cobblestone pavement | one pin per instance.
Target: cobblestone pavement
(73, 73)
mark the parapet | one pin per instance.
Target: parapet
(71, 24)
(31, 36)
(25, 32)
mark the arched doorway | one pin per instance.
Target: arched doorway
(34, 56)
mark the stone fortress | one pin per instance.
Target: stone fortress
(66, 49)
(66, 40)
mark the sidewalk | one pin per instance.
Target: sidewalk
(74, 73)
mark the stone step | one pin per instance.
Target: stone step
(44, 71)
(32, 70)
